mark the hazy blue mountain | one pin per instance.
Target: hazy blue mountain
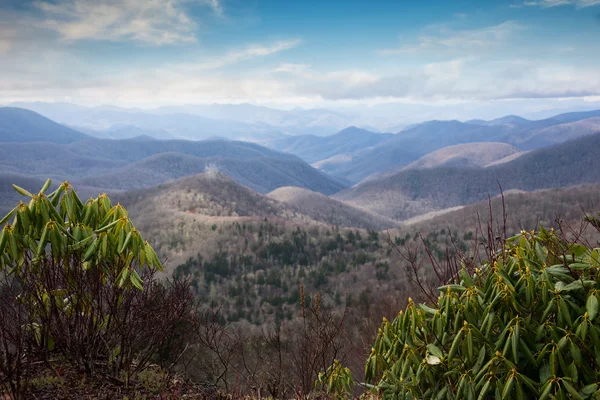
(126, 132)
(298, 121)
(407, 146)
(52, 160)
(576, 116)
(313, 148)
(139, 162)
(108, 120)
(465, 155)
(558, 133)
(128, 150)
(21, 125)
(195, 122)
(512, 120)
(261, 174)
(417, 191)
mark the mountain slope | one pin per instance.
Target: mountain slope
(331, 211)
(413, 192)
(196, 122)
(20, 125)
(185, 217)
(134, 163)
(409, 145)
(209, 194)
(52, 160)
(465, 155)
(135, 150)
(526, 210)
(510, 120)
(576, 116)
(176, 125)
(313, 149)
(560, 133)
(261, 174)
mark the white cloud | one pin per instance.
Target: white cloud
(446, 38)
(216, 7)
(557, 3)
(248, 53)
(291, 68)
(459, 80)
(154, 22)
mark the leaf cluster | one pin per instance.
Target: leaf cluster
(523, 326)
(61, 227)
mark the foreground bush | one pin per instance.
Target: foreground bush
(77, 291)
(524, 325)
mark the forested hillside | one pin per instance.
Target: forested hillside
(43, 151)
(413, 192)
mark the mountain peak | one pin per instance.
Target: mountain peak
(22, 125)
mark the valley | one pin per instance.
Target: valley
(351, 223)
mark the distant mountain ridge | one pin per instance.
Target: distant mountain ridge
(196, 122)
(142, 162)
(416, 191)
(20, 125)
(465, 155)
(313, 148)
(407, 146)
(260, 174)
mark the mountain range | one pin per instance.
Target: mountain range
(21, 125)
(399, 150)
(411, 192)
(426, 168)
(141, 162)
(193, 122)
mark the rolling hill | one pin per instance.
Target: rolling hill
(52, 160)
(559, 133)
(525, 210)
(20, 125)
(417, 191)
(419, 140)
(328, 210)
(262, 174)
(510, 120)
(407, 146)
(184, 217)
(143, 162)
(313, 148)
(465, 155)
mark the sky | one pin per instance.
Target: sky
(479, 57)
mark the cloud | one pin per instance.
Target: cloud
(458, 80)
(557, 3)
(153, 22)
(291, 68)
(446, 38)
(248, 53)
(216, 7)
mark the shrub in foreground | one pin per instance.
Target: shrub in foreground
(77, 285)
(524, 325)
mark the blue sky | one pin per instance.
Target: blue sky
(499, 55)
